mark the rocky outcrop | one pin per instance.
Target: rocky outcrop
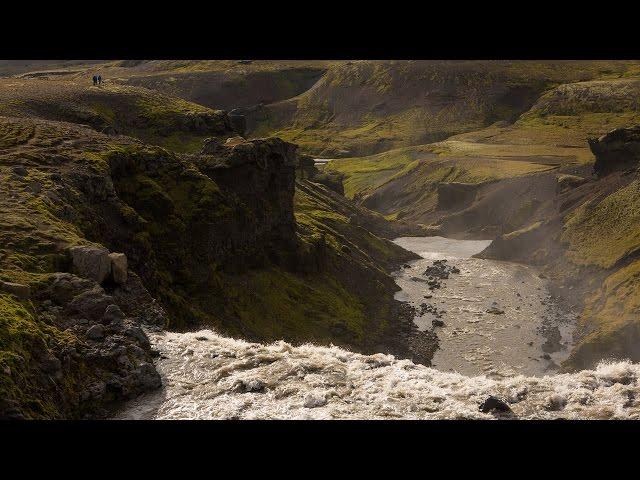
(105, 357)
(118, 267)
(238, 121)
(617, 150)
(91, 262)
(23, 292)
(525, 245)
(331, 180)
(98, 264)
(260, 174)
(567, 182)
(306, 168)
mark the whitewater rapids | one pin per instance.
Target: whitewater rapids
(208, 376)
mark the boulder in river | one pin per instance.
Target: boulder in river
(250, 386)
(314, 400)
(494, 404)
(495, 310)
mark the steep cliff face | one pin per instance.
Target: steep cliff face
(102, 234)
(261, 175)
(70, 333)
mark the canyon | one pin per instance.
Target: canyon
(169, 246)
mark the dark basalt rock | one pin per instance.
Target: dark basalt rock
(617, 150)
(331, 180)
(260, 175)
(440, 270)
(111, 360)
(494, 404)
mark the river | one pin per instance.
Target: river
(481, 354)
(499, 318)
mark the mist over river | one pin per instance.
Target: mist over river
(511, 355)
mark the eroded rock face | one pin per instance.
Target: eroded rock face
(617, 150)
(261, 175)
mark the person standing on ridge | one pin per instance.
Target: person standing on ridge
(99, 79)
(95, 80)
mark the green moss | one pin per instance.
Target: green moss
(283, 305)
(602, 233)
(613, 316)
(105, 111)
(363, 175)
(417, 172)
(183, 142)
(21, 335)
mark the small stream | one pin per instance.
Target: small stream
(498, 317)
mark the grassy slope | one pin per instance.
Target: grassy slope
(553, 132)
(604, 233)
(347, 302)
(134, 111)
(228, 84)
(224, 84)
(364, 107)
(403, 183)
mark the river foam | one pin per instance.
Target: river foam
(208, 376)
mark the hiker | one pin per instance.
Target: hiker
(99, 79)
(95, 80)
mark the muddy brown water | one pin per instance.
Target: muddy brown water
(532, 336)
